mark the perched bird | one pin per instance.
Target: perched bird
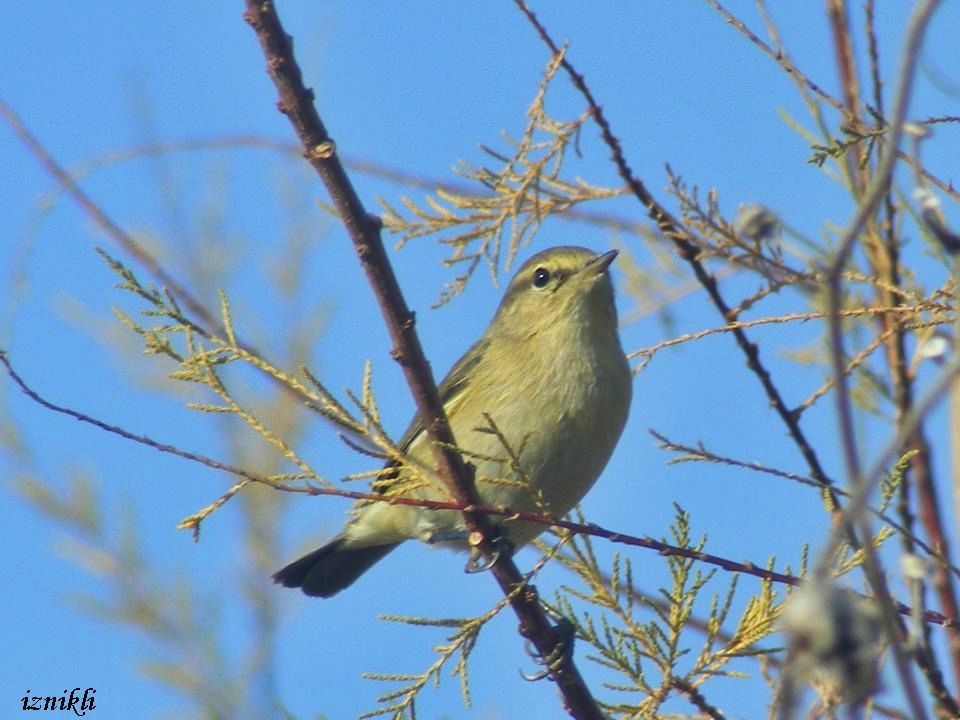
(551, 375)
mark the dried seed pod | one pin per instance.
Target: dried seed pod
(833, 637)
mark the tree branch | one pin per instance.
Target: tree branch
(296, 102)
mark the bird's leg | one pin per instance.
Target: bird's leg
(450, 536)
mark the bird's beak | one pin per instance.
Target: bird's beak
(599, 264)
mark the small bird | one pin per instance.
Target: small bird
(537, 406)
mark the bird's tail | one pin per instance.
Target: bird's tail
(331, 568)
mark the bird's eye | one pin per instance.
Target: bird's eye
(541, 276)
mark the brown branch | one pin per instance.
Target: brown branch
(296, 102)
(873, 195)
(929, 510)
(887, 258)
(837, 13)
(869, 202)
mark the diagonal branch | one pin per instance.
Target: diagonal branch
(296, 102)
(688, 250)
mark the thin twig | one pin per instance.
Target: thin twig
(699, 452)
(694, 695)
(364, 167)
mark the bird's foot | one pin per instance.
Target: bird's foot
(565, 633)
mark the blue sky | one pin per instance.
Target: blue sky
(414, 86)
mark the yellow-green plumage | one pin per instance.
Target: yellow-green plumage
(551, 374)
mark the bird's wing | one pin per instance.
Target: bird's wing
(450, 390)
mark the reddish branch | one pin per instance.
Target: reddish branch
(746, 567)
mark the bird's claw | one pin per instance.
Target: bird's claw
(565, 634)
(478, 562)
